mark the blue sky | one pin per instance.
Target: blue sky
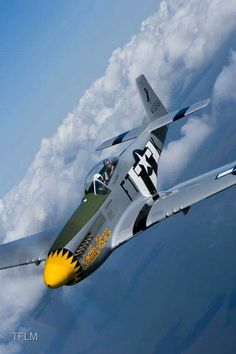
(51, 52)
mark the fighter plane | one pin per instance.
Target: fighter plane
(121, 199)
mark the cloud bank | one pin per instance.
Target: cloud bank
(171, 47)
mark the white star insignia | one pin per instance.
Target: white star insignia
(143, 162)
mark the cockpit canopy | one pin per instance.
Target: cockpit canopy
(98, 179)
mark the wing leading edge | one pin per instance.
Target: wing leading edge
(27, 250)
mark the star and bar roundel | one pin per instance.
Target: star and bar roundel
(142, 177)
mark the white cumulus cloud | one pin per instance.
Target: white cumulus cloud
(224, 88)
(179, 152)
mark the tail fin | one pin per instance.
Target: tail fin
(152, 106)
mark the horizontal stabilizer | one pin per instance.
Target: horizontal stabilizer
(27, 250)
(189, 109)
(176, 115)
(158, 123)
(128, 135)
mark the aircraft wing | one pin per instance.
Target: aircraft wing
(183, 196)
(30, 249)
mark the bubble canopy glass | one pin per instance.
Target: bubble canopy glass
(98, 178)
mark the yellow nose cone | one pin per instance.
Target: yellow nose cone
(61, 268)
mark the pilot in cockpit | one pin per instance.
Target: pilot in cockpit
(109, 169)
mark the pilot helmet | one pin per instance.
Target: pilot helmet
(107, 162)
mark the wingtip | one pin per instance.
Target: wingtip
(99, 148)
(207, 101)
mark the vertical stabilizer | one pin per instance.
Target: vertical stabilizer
(152, 105)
